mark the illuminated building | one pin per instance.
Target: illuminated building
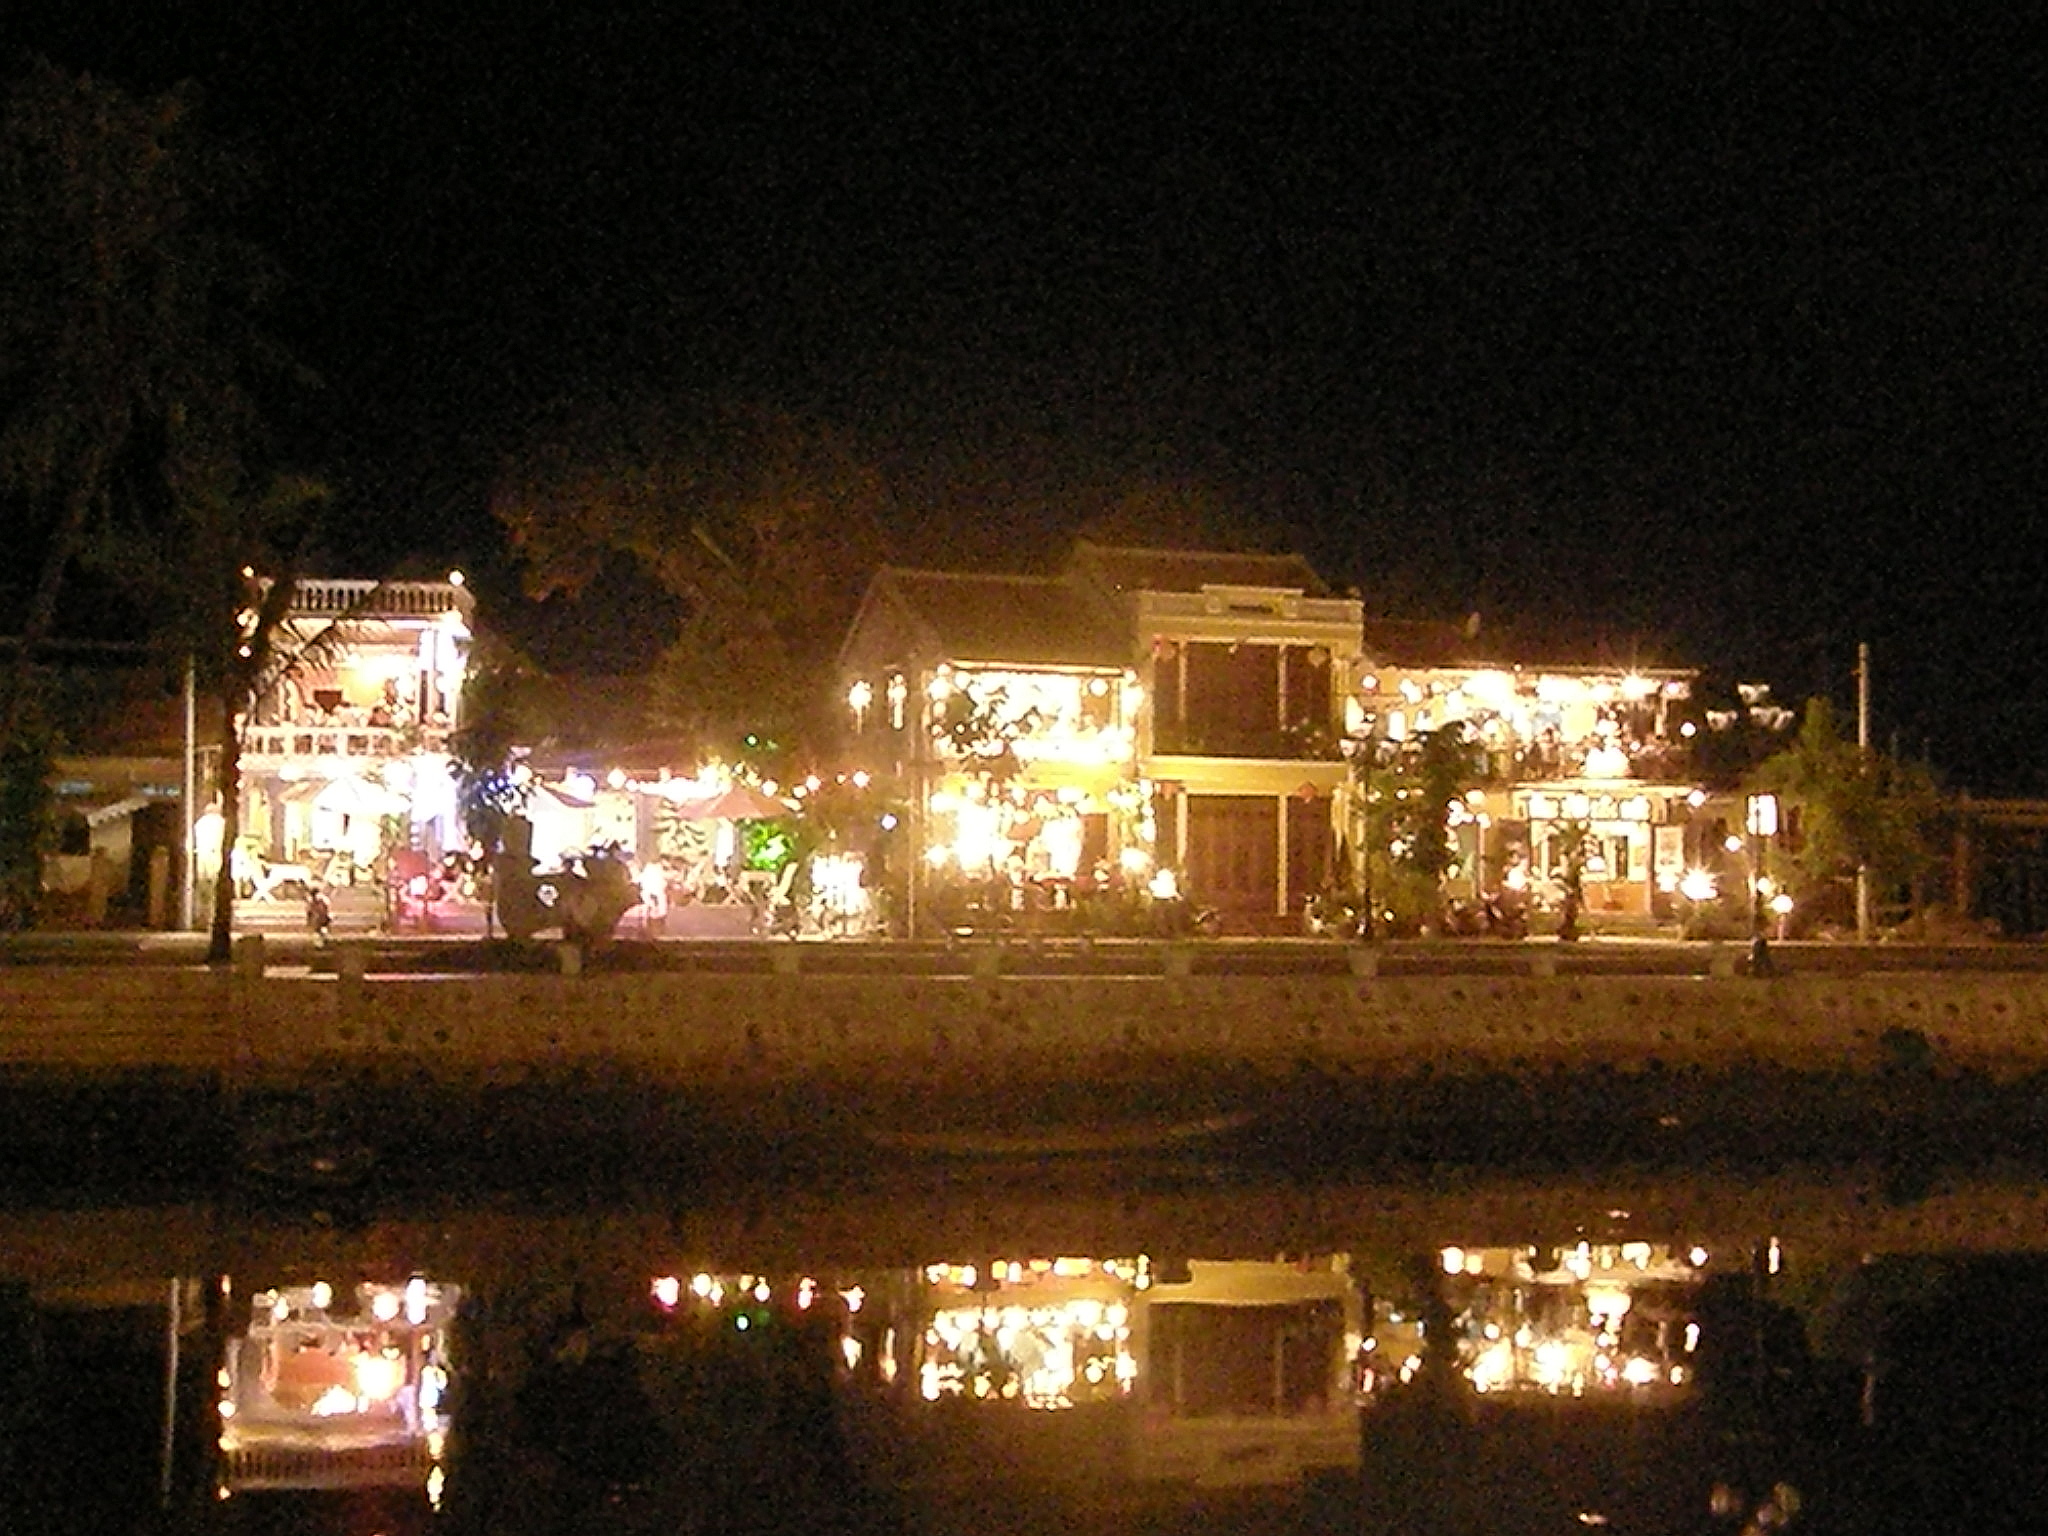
(1145, 711)
(1561, 743)
(344, 742)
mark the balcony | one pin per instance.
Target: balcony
(1297, 744)
(372, 600)
(267, 745)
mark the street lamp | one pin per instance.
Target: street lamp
(1763, 825)
(1356, 765)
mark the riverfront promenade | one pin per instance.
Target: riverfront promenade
(764, 1013)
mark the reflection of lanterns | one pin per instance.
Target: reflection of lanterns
(1763, 815)
(1602, 1301)
(378, 1377)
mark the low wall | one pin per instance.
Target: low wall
(790, 1027)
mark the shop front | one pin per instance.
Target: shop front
(1630, 841)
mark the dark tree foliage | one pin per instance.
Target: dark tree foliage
(1844, 808)
(27, 823)
(126, 349)
(765, 528)
(130, 368)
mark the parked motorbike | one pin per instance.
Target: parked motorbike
(1495, 915)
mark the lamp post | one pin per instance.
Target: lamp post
(1357, 766)
(1763, 825)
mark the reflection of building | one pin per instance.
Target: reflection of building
(1584, 1320)
(1226, 1372)
(338, 1390)
(1047, 1334)
(344, 748)
(1563, 745)
(1059, 735)
(1249, 1371)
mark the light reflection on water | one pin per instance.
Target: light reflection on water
(1641, 1383)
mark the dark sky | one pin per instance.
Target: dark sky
(1721, 331)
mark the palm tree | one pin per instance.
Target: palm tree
(218, 574)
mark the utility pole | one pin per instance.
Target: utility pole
(1863, 766)
(189, 804)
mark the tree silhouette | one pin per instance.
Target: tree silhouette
(125, 347)
(765, 528)
(128, 366)
(1847, 807)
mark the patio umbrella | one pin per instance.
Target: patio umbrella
(742, 802)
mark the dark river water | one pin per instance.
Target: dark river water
(1642, 1383)
(1658, 1304)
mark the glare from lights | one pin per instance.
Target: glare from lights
(378, 1378)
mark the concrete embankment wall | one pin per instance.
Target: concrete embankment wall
(767, 1028)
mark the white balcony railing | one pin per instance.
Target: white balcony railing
(287, 743)
(333, 598)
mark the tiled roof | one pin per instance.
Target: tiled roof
(1186, 570)
(1027, 620)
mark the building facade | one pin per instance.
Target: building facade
(1562, 750)
(347, 757)
(1145, 721)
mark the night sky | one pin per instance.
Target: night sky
(1716, 336)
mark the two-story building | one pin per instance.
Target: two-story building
(1003, 708)
(348, 755)
(1152, 718)
(1243, 660)
(1561, 746)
